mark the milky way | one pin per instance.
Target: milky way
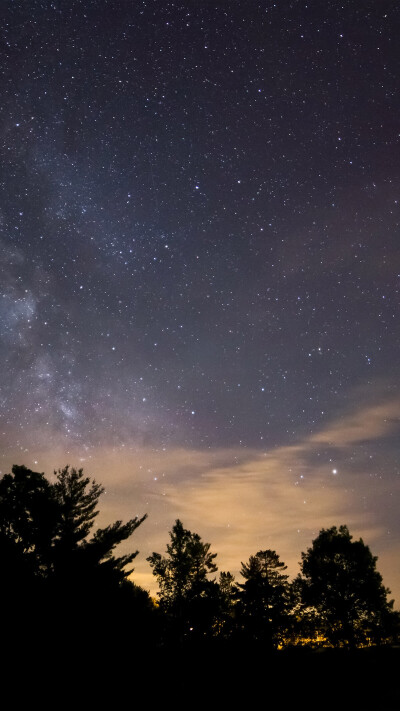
(200, 263)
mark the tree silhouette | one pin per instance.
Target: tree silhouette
(340, 582)
(264, 599)
(228, 595)
(77, 503)
(28, 515)
(76, 555)
(186, 594)
(47, 557)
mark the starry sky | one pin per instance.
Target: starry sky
(200, 265)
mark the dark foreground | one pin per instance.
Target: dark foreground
(217, 677)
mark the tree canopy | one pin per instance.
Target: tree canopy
(185, 590)
(48, 555)
(48, 524)
(264, 598)
(340, 581)
(183, 572)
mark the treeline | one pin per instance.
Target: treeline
(63, 583)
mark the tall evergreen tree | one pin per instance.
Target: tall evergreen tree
(264, 599)
(46, 553)
(75, 554)
(228, 595)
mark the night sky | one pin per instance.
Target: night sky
(200, 265)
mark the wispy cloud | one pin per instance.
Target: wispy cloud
(366, 423)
